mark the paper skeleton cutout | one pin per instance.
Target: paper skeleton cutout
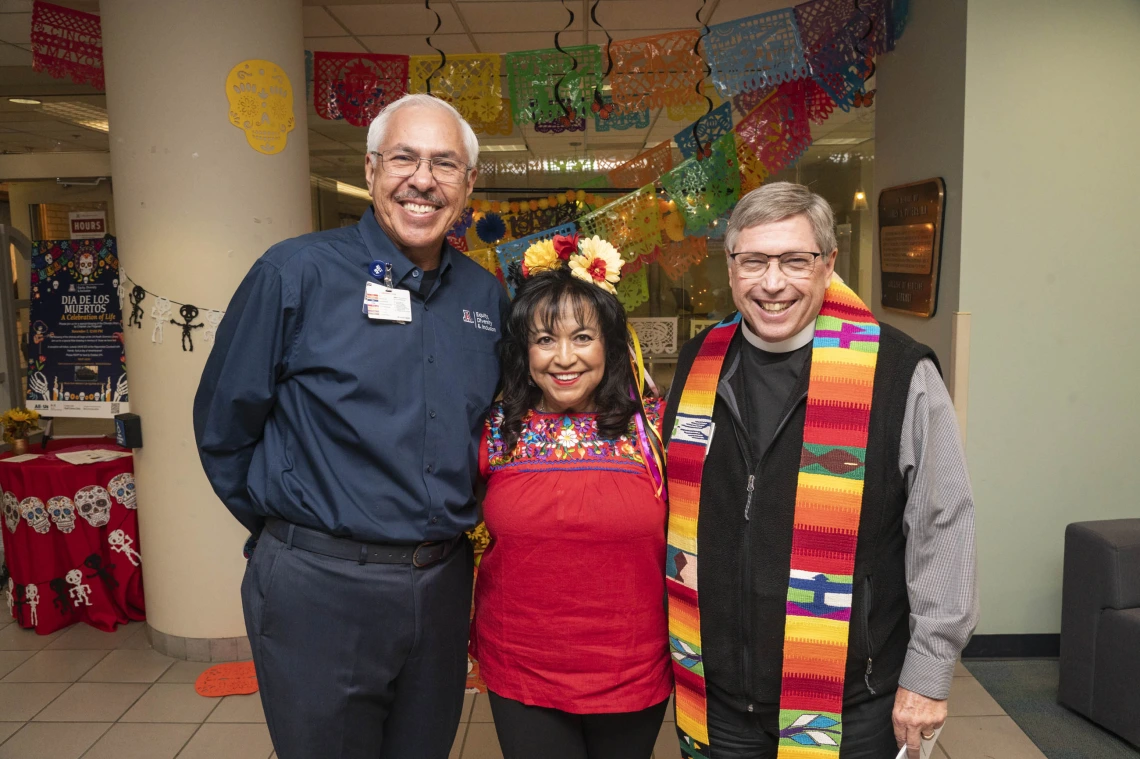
(137, 295)
(32, 509)
(32, 596)
(93, 503)
(119, 541)
(213, 319)
(160, 312)
(188, 313)
(11, 511)
(62, 512)
(122, 487)
(61, 601)
(80, 590)
(95, 563)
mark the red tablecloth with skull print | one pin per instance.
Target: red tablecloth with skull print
(71, 539)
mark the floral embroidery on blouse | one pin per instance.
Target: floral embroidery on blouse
(567, 441)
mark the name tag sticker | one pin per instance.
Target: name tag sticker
(387, 304)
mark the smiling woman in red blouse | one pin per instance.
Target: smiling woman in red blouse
(570, 630)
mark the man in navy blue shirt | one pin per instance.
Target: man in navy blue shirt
(338, 418)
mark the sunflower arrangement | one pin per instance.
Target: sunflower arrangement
(591, 259)
(19, 423)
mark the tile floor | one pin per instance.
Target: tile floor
(84, 693)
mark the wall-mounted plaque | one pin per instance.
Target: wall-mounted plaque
(910, 245)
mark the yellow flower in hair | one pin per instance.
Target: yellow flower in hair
(598, 262)
(540, 256)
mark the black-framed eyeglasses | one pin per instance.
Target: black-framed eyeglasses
(399, 163)
(794, 264)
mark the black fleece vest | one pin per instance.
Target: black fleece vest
(745, 558)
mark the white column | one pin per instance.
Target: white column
(195, 206)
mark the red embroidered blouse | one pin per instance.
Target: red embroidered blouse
(569, 602)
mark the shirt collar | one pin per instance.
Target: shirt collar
(795, 342)
(381, 247)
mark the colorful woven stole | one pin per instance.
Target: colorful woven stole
(829, 497)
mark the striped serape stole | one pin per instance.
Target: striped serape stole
(825, 533)
(829, 498)
(688, 445)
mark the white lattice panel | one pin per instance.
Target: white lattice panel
(696, 326)
(658, 334)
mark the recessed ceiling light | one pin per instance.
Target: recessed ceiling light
(353, 191)
(81, 114)
(501, 148)
(840, 140)
(24, 101)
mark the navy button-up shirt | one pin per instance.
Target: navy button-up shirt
(311, 412)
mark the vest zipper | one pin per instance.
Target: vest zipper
(748, 503)
(868, 598)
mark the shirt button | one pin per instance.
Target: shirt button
(415, 273)
(429, 468)
(431, 414)
(431, 359)
(434, 520)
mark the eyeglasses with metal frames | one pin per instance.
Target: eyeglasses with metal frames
(793, 264)
(401, 164)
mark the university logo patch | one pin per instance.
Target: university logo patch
(467, 317)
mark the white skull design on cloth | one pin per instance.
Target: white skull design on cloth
(32, 509)
(62, 512)
(122, 487)
(11, 511)
(94, 505)
(81, 592)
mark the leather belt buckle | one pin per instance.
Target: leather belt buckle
(428, 559)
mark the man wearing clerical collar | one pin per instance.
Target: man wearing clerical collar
(816, 468)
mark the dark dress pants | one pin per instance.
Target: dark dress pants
(867, 730)
(358, 661)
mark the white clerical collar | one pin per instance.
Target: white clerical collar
(795, 342)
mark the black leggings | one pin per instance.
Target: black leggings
(534, 732)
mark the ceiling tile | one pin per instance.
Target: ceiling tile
(10, 55)
(318, 23)
(408, 18)
(634, 13)
(334, 45)
(15, 6)
(407, 44)
(519, 17)
(16, 27)
(513, 43)
(730, 10)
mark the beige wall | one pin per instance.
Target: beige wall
(1050, 264)
(918, 135)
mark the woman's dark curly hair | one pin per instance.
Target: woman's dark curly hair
(543, 299)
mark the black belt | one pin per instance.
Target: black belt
(315, 541)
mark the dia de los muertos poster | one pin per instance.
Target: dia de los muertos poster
(76, 365)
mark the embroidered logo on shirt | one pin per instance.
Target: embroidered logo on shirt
(467, 317)
(482, 321)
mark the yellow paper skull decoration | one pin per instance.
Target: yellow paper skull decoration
(261, 104)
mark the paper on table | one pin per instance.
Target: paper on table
(22, 457)
(91, 457)
(925, 748)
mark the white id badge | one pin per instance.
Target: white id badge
(387, 304)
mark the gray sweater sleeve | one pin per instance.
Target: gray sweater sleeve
(938, 522)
